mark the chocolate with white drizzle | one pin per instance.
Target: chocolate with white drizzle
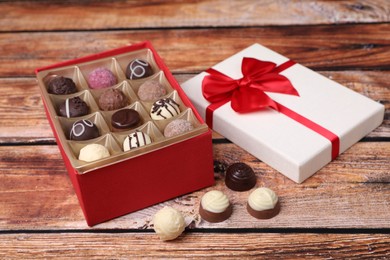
(83, 130)
(135, 140)
(164, 108)
(73, 107)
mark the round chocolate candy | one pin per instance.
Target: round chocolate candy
(177, 127)
(240, 177)
(135, 140)
(112, 99)
(124, 119)
(215, 206)
(101, 78)
(138, 69)
(151, 90)
(93, 152)
(164, 108)
(73, 107)
(59, 85)
(263, 203)
(83, 130)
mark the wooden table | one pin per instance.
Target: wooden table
(342, 211)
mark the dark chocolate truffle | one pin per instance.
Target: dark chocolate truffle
(240, 177)
(138, 69)
(112, 99)
(177, 127)
(215, 207)
(151, 90)
(73, 107)
(101, 78)
(124, 119)
(83, 130)
(61, 86)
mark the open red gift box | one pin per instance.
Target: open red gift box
(127, 181)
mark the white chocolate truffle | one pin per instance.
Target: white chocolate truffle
(164, 108)
(93, 152)
(215, 201)
(168, 223)
(262, 199)
(136, 139)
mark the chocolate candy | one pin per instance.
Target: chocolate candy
(83, 130)
(101, 78)
(263, 203)
(215, 207)
(93, 152)
(138, 69)
(168, 223)
(164, 108)
(59, 85)
(151, 90)
(125, 119)
(177, 127)
(112, 99)
(240, 177)
(135, 140)
(73, 107)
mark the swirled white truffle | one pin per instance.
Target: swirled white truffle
(135, 140)
(168, 223)
(93, 152)
(164, 108)
(263, 203)
(215, 206)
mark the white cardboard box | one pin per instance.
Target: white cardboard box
(283, 143)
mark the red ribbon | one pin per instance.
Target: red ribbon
(247, 94)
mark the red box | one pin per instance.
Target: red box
(130, 181)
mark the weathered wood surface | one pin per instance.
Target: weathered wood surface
(344, 47)
(341, 212)
(351, 192)
(199, 245)
(79, 15)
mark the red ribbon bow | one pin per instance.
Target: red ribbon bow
(247, 93)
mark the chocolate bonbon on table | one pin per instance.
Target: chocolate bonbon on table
(240, 177)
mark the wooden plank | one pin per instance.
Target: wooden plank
(350, 192)
(76, 15)
(195, 245)
(23, 120)
(186, 51)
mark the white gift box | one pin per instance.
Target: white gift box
(286, 144)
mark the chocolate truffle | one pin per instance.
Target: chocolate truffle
(168, 223)
(138, 69)
(215, 207)
(164, 108)
(93, 152)
(112, 99)
(83, 130)
(177, 127)
(101, 78)
(73, 107)
(151, 90)
(124, 119)
(61, 86)
(263, 203)
(135, 140)
(240, 177)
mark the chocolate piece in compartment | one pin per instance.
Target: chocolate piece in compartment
(101, 78)
(96, 118)
(112, 99)
(55, 84)
(102, 73)
(125, 119)
(164, 108)
(177, 127)
(73, 107)
(138, 69)
(106, 140)
(93, 152)
(135, 140)
(152, 88)
(83, 130)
